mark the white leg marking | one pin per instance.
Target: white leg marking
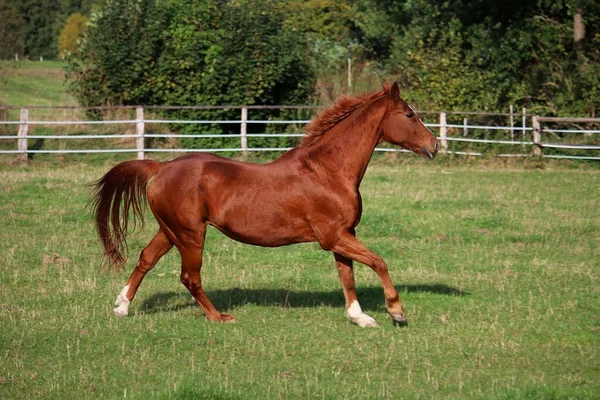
(122, 303)
(355, 314)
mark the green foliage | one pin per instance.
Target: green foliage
(236, 52)
(12, 38)
(118, 50)
(42, 28)
(438, 73)
(30, 28)
(468, 54)
(183, 52)
(377, 23)
(325, 19)
(70, 35)
(557, 79)
(486, 55)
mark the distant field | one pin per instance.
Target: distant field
(33, 83)
(498, 269)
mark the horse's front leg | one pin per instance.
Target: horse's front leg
(354, 312)
(348, 246)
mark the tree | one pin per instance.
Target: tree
(231, 52)
(70, 34)
(117, 53)
(41, 27)
(12, 34)
(486, 55)
(333, 39)
(325, 19)
(560, 76)
(30, 28)
(185, 52)
(466, 54)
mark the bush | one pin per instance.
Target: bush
(184, 52)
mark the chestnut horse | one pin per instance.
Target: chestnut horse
(309, 194)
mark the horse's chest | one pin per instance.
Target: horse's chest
(345, 208)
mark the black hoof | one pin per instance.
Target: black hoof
(401, 324)
(399, 319)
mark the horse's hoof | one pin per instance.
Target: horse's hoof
(363, 320)
(225, 318)
(120, 312)
(368, 324)
(399, 319)
(400, 323)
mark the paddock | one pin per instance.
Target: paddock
(497, 267)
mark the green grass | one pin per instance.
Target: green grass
(498, 270)
(33, 83)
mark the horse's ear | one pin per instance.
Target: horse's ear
(395, 91)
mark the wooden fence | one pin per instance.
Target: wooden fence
(461, 135)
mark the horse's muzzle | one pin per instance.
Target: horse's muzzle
(428, 154)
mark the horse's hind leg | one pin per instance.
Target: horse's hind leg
(191, 249)
(157, 248)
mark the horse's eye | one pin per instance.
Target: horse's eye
(410, 114)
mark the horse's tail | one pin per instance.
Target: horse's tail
(122, 188)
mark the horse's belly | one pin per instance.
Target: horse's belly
(265, 230)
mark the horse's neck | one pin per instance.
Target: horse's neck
(347, 148)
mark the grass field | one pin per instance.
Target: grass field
(498, 270)
(33, 83)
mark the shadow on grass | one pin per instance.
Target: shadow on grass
(371, 298)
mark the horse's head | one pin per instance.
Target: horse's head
(403, 127)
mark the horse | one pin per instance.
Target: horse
(309, 194)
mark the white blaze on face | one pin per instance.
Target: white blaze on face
(122, 303)
(355, 314)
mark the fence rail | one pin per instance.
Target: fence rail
(541, 138)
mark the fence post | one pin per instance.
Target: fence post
(22, 141)
(512, 123)
(524, 125)
(139, 132)
(350, 74)
(443, 133)
(243, 129)
(537, 136)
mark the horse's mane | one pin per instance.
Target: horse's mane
(330, 117)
